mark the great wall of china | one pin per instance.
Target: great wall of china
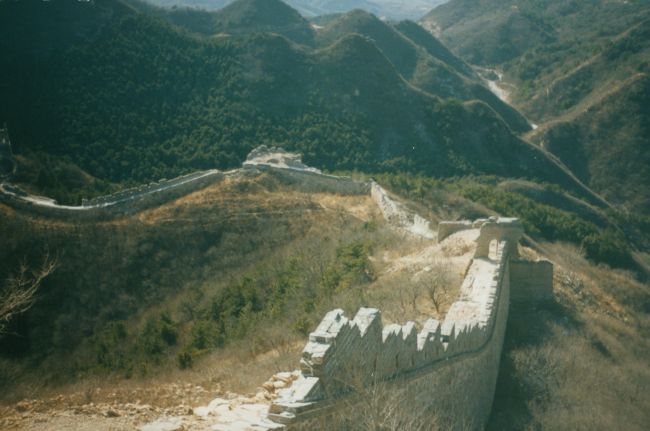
(286, 165)
(447, 370)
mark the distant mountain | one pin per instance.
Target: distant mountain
(416, 54)
(578, 69)
(246, 16)
(488, 32)
(390, 9)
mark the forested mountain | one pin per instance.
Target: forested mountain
(138, 99)
(248, 16)
(577, 68)
(421, 60)
(416, 54)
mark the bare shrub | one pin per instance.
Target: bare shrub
(18, 292)
(436, 282)
(409, 293)
(384, 408)
(572, 281)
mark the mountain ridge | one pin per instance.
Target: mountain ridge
(594, 50)
(218, 100)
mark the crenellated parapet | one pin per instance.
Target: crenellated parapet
(343, 353)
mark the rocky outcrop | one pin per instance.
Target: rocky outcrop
(396, 214)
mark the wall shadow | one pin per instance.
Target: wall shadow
(528, 325)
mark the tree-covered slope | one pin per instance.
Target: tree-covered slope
(571, 35)
(608, 146)
(416, 54)
(248, 16)
(143, 100)
(492, 32)
(420, 59)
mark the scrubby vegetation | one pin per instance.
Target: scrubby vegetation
(580, 362)
(270, 293)
(601, 243)
(175, 291)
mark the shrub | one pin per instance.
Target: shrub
(184, 359)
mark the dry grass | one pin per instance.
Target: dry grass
(581, 362)
(419, 279)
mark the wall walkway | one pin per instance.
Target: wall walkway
(448, 369)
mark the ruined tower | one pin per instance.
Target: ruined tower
(7, 162)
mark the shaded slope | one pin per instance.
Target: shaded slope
(424, 61)
(607, 146)
(183, 103)
(433, 46)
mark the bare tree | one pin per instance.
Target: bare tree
(410, 292)
(436, 282)
(18, 292)
(385, 407)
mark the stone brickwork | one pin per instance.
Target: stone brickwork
(532, 281)
(447, 228)
(448, 368)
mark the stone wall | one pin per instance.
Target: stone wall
(396, 214)
(449, 368)
(531, 281)
(155, 187)
(107, 208)
(154, 194)
(447, 228)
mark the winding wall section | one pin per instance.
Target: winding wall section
(448, 370)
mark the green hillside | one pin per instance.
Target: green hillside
(143, 100)
(608, 145)
(247, 16)
(418, 56)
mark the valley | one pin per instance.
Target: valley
(578, 66)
